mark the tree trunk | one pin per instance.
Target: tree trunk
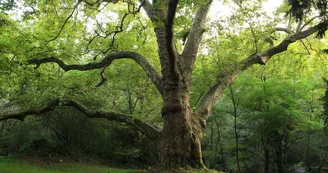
(307, 161)
(235, 128)
(219, 143)
(212, 163)
(279, 158)
(266, 161)
(180, 143)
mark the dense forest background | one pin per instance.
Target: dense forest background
(271, 119)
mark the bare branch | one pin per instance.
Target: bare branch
(103, 77)
(91, 3)
(326, 80)
(119, 28)
(99, 2)
(145, 128)
(308, 22)
(307, 50)
(148, 7)
(298, 28)
(151, 72)
(65, 22)
(283, 30)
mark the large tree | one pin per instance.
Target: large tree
(179, 141)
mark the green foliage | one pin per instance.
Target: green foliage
(273, 111)
(276, 104)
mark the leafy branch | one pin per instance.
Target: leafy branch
(226, 78)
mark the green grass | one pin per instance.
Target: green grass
(11, 166)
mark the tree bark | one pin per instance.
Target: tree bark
(180, 145)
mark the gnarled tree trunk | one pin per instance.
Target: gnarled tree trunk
(180, 144)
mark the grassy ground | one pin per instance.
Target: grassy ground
(10, 165)
(14, 166)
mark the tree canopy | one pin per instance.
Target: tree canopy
(159, 66)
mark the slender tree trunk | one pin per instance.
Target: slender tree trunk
(266, 161)
(322, 162)
(325, 107)
(279, 158)
(2, 126)
(219, 142)
(213, 154)
(266, 150)
(284, 150)
(19, 142)
(307, 163)
(235, 128)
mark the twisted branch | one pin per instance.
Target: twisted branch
(151, 72)
(147, 129)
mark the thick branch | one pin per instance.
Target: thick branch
(283, 30)
(151, 72)
(21, 115)
(226, 78)
(169, 33)
(195, 35)
(148, 7)
(99, 1)
(145, 128)
(209, 99)
(326, 80)
(308, 22)
(264, 57)
(267, 54)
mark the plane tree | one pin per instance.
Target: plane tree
(179, 140)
